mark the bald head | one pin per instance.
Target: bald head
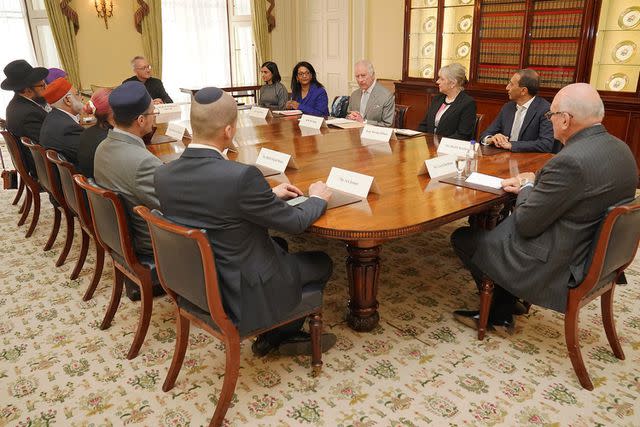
(575, 107)
(212, 110)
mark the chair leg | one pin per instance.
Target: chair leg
(97, 273)
(84, 248)
(35, 197)
(182, 340)
(146, 299)
(24, 209)
(315, 327)
(486, 294)
(116, 294)
(68, 241)
(54, 229)
(231, 372)
(609, 323)
(571, 337)
(19, 193)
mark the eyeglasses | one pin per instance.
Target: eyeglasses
(148, 67)
(155, 113)
(548, 114)
(303, 73)
(40, 85)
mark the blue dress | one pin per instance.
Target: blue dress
(315, 103)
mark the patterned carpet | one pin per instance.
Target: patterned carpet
(419, 367)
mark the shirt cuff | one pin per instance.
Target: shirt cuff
(315, 195)
(528, 184)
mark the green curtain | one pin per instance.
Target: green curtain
(261, 36)
(64, 29)
(151, 26)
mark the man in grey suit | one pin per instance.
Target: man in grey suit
(521, 124)
(260, 282)
(371, 103)
(539, 251)
(123, 164)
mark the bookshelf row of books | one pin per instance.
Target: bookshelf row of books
(499, 52)
(495, 75)
(556, 25)
(503, 7)
(502, 26)
(557, 77)
(553, 53)
(558, 4)
(503, 1)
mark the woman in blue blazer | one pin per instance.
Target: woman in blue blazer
(307, 93)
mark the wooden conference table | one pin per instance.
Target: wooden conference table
(407, 203)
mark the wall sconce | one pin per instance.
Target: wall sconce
(104, 9)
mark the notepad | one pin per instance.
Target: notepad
(288, 112)
(407, 132)
(485, 180)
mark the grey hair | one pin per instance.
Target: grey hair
(456, 73)
(135, 58)
(368, 64)
(60, 102)
(582, 101)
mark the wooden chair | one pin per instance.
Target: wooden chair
(21, 185)
(612, 251)
(78, 205)
(187, 271)
(400, 116)
(476, 126)
(50, 181)
(112, 232)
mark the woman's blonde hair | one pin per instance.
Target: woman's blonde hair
(456, 73)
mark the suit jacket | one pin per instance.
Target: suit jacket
(536, 133)
(315, 103)
(124, 165)
(381, 106)
(457, 122)
(90, 138)
(259, 281)
(62, 134)
(154, 87)
(542, 247)
(24, 118)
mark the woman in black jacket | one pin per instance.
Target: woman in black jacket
(452, 112)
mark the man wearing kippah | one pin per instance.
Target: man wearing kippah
(123, 164)
(61, 129)
(260, 282)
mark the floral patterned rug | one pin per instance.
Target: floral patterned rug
(419, 367)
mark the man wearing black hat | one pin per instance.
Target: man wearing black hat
(261, 282)
(123, 164)
(25, 113)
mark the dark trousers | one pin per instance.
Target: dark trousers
(465, 242)
(314, 270)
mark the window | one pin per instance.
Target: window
(44, 45)
(206, 43)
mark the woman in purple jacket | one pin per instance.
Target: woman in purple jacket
(307, 93)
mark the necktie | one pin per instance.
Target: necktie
(517, 123)
(363, 103)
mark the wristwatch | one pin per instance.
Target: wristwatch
(524, 181)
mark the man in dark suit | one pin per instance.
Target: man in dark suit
(142, 70)
(521, 124)
(61, 128)
(260, 281)
(541, 249)
(24, 113)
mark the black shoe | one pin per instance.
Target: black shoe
(471, 318)
(158, 290)
(262, 346)
(133, 291)
(299, 344)
(519, 308)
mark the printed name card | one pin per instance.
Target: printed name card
(312, 122)
(168, 112)
(275, 160)
(259, 112)
(439, 166)
(351, 182)
(456, 147)
(376, 133)
(175, 130)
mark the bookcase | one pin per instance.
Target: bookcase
(565, 41)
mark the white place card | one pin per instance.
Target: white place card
(168, 112)
(485, 180)
(351, 182)
(456, 147)
(175, 130)
(438, 166)
(376, 133)
(313, 122)
(275, 160)
(259, 112)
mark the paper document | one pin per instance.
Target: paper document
(344, 123)
(407, 132)
(486, 180)
(288, 112)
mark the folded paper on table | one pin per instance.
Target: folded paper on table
(484, 180)
(407, 132)
(312, 122)
(344, 123)
(271, 162)
(288, 112)
(456, 147)
(438, 166)
(376, 133)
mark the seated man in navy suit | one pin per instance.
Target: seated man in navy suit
(521, 124)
